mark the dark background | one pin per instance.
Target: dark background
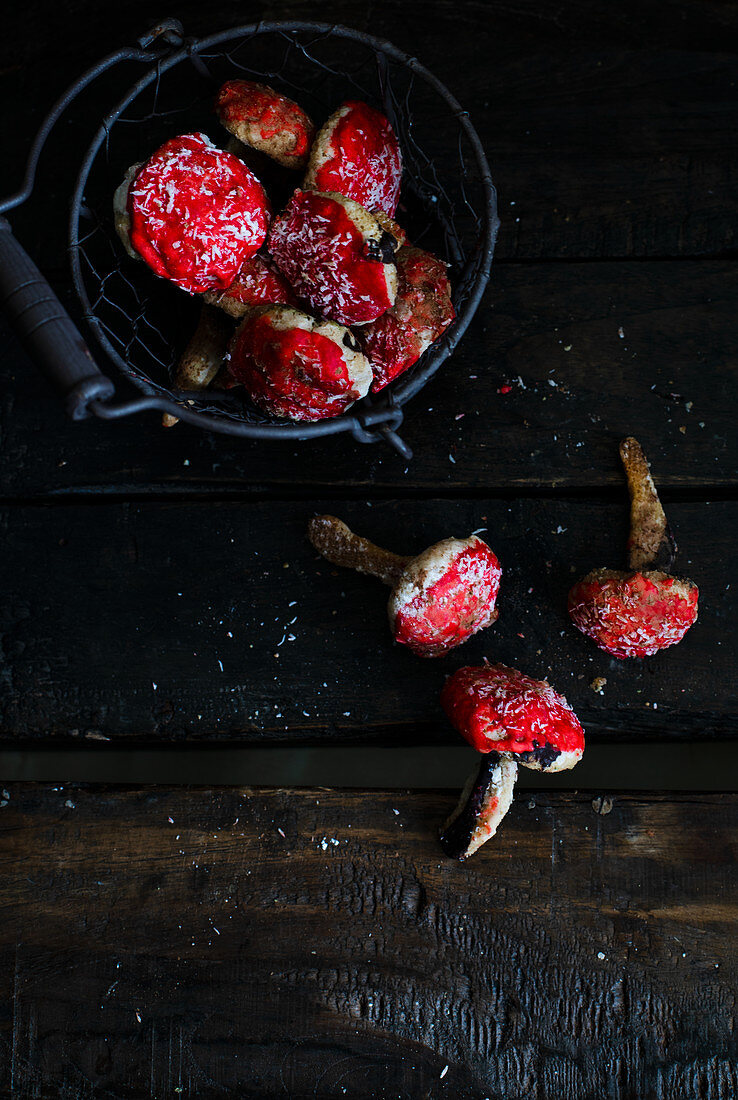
(208, 941)
(610, 130)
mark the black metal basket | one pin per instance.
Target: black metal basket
(447, 204)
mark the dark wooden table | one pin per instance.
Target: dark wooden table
(181, 941)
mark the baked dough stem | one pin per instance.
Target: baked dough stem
(650, 543)
(338, 543)
(484, 801)
(204, 354)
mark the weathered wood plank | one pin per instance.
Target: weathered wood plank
(612, 127)
(551, 332)
(215, 622)
(316, 943)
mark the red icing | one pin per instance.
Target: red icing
(498, 709)
(457, 605)
(421, 313)
(197, 214)
(243, 102)
(256, 284)
(292, 372)
(633, 614)
(362, 159)
(322, 254)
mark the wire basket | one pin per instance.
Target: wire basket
(447, 204)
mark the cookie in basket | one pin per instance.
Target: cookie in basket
(357, 154)
(336, 256)
(194, 213)
(296, 367)
(263, 119)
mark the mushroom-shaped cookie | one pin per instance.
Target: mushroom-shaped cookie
(422, 312)
(337, 257)
(195, 214)
(636, 613)
(356, 153)
(498, 709)
(439, 598)
(294, 366)
(514, 719)
(265, 120)
(255, 285)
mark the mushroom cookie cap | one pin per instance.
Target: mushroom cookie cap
(445, 595)
(265, 120)
(336, 256)
(498, 709)
(633, 614)
(296, 367)
(357, 154)
(196, 214)
(255, 285)
(422, 311)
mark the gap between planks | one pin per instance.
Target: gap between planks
(616, 768)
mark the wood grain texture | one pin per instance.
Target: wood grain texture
(166, 943)
(212, 622)
(551, 332)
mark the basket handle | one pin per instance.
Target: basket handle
(46, 329)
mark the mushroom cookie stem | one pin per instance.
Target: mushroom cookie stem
(651, 543)
(338, 543)
(484, 801)
(204, 354)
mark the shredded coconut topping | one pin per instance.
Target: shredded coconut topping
(320, 246)
(499, 709)
(633, 614)
(197, 214)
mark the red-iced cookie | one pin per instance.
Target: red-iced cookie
(636, 613)
(422, 311)
(262, 118)
(510, 719)
(445, 595)
(498, 709)
(633, 614)
(255, 285)
(439, 598)
(336, 256)
(356, 154)
(196, 214)
(294, 366)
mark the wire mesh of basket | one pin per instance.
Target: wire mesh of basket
(447, 204)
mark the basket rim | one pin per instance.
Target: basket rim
(387, 408)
